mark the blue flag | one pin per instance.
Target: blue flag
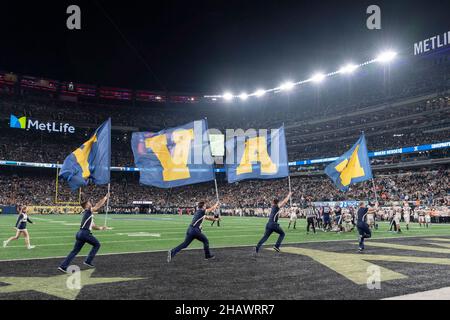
(174, 157)
(253, 156)
(91, 161)
(352, 167)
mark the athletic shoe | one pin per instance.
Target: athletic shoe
(31, 247)
(88, 264)
(360, 250)
(5, 243)
(210, 257)
(276, 249)
(62, 269)
(169, 256)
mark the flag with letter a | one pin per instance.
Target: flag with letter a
(352, 167)
(257, 155)
(174, 157)
(91, 161)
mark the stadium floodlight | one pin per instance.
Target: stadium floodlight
(260, 92)
(243, 96)
(386, 56)
(349, 68)
(318, 77)
(288, 85)
(227, 96)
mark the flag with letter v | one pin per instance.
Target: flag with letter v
(174, 157)
(352, 167)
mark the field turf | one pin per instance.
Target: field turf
(54, 235)
(132, 262)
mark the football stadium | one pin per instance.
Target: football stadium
(225, 151)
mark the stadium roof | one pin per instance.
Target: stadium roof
(216, 46)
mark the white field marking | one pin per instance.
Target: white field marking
(218, 247)
(436, 294)
(103, 235)
(178, 224)
(125, 241)
(140, 234)
(131, 229)
(70, 235)
(231, 221)
(70, 232)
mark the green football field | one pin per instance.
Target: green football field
(54, 235)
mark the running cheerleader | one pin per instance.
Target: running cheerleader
(21, 228)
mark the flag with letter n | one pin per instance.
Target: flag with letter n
(174, 157)
(91, 161)
(352, 167)
(256, 155)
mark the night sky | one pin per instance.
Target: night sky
(205, 46)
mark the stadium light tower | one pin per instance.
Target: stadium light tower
(227, 96)
(260, 92)
(288, 85)
(243, 96)
(349, 68)
(386, 56)
(318, 77)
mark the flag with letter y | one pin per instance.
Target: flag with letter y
(352, 167)
(174, 157)
(91, 161)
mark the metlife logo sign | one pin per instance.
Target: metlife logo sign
(32, 124)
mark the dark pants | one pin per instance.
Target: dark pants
(270, 228)
(364, 233)
(82, 237)
(310, 222)
(339, 222)
(218, 221)
(326, 224)
(191, 234)
(319, 222)
(393, 225)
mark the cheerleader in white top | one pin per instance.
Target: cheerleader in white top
(21, 228)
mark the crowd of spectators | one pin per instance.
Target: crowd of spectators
(430, 187)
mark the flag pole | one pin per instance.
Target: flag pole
(109, 167)
(289, 175)
(290, 190)
(56, 183)
(374, 190)
(217, 190)
(209, 144)
(107, 203)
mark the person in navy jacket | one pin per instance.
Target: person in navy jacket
(84, 235)
(194, 231)
(273, 225)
